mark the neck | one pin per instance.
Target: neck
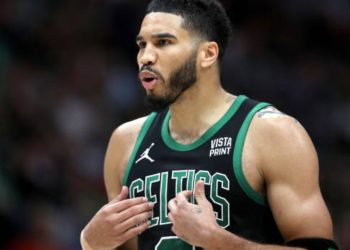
(197, 109)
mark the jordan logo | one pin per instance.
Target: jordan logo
(145, 155)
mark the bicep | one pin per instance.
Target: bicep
(117, 155)
(293, 191)
(297, 215)
(112, 167)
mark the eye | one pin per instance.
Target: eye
(141, 44)
(163, 42)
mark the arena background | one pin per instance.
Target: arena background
(68, 77)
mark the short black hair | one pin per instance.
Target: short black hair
(206, 18)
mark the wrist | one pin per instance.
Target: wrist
(214, 236)
(84, 244)
(220, 239)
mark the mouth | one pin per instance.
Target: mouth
(148, 79)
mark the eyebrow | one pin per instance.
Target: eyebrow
(157, 35)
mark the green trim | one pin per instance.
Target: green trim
(140, 137)
(237, 157)
(171, 143)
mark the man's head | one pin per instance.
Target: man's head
(206, 19)
(178, 39)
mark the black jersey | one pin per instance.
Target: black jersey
(159, 168)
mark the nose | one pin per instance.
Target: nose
(147, 56)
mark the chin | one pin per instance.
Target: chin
(157, 103)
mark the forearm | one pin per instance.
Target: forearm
(224, 240)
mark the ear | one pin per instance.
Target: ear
(209, 54)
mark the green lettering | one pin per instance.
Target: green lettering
(136, 186)
(179, 176)
(163, 199)
(152, 198)
(172, 243)
(223, 219)
(189, 185)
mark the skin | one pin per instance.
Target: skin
(285, 169)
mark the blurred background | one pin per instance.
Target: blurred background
(68, 77)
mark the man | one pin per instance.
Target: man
(209, 169)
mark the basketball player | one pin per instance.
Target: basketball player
(207, 169)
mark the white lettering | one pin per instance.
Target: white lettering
(220, 146)
(214, 143)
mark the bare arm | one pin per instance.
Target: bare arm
(290, 168)
(287, 165)
(114, 225)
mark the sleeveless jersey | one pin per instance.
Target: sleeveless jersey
(159, 168)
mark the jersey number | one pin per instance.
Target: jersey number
(172, 243)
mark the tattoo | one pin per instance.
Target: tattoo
(273, 112)
(270, 111)
(197, 210)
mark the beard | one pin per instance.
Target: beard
(179, 81)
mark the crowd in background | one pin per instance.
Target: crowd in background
(68, 78)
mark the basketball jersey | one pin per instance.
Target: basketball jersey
(160, 167)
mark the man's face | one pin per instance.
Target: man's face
(167, 59)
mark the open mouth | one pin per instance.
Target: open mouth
(148, 79)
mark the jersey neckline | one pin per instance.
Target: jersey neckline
(171, 143)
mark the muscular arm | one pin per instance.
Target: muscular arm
(278, 160)
(287, 163)
(290, 169)
(118, 153)
(115, 222)
(114, 166)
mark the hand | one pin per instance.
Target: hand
(192, 223)
(118, 221)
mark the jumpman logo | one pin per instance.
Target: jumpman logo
(145, 155)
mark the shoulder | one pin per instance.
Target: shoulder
(128, 131)
(119, 150)
(124, 136)
(282, 143)
(274, 126)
